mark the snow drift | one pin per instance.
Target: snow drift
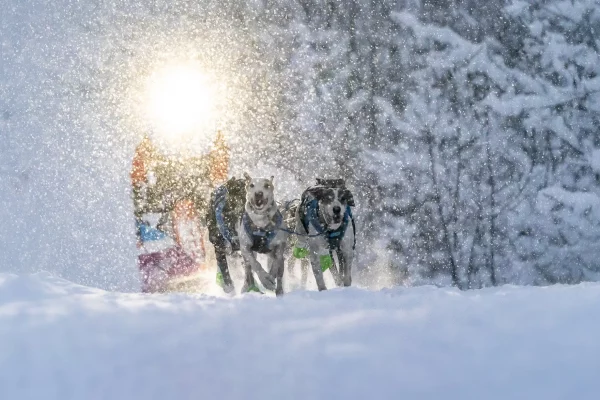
(62, 341)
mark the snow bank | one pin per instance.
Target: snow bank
(63, 341)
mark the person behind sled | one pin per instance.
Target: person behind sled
(170, 199)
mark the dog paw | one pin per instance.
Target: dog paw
(229, 289)
(268, 281)
(228, 248)
(250, 288)
(347, 281)
(300, 252)
(326, 262)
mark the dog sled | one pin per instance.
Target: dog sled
(169, 205)
(173, 257)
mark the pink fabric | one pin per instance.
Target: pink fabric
(159, 268)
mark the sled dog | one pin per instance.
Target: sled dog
(325, 228)
(243, 216)
(260, 231)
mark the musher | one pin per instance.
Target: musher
(170, 197)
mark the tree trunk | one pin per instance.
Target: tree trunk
(493, 233)
(438, 200)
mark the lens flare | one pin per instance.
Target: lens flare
(182, 104)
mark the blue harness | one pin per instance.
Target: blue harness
(261, 237)
(334, 237)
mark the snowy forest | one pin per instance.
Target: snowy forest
(468, 130)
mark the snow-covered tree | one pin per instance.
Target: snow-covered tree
(455, 171)
(556, 106)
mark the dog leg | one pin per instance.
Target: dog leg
(291, 242)
(275, 266)
(347, 253)
(344, 268)
(315, 262)
(271, 265)
(278, 262)
(304, 243)
(291, 264)
(304, 272)
(252, 264)
(249, 278)
(335, 272)
(279, 289)
(224, 269)
(276, 271)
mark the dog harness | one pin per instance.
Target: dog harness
(334, 237)
(261, 237)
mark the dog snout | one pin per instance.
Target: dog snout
(258, 194)
(337, 209)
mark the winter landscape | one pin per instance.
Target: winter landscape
(468, 132)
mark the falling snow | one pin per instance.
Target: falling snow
(468, 130)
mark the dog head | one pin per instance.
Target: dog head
(259, 193)
(333, 203)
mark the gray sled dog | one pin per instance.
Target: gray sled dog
(260, 231)
(325, 228)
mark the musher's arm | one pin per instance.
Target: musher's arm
(219, 161)
(139, 178)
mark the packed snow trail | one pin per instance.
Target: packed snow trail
(62, 341)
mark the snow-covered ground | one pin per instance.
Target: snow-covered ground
(62, 341)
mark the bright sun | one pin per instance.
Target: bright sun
(181, 103)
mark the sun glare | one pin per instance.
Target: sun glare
(181, 103)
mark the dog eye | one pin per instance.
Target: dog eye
(251, 185)
(267, 185)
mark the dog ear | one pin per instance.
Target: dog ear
(320, 192)
(348, 198)
(247, 177)
(316, 192)
(271, 180)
